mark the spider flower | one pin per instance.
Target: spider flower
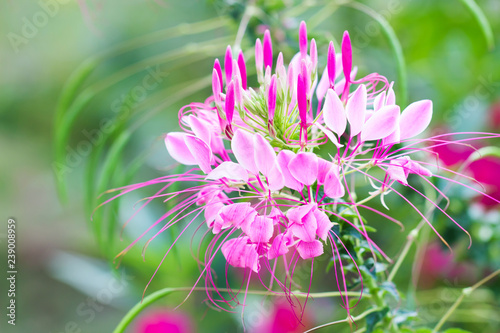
(265, 190)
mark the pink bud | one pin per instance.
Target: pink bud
(314, 54)
(218, 68)
(237, 91)
(331, 64)
(271, 98)
(230, 102)
(303, 39)
(346, 62)
(268, 50)
(259, 56)
(216, 86)
(302, 99)
(279, 62)
(305, 75)
(228, 64)
(243, 70)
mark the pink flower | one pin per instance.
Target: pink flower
(161, 321)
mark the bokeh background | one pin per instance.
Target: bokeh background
(138, 61)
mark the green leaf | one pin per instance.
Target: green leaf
(484, 24)
(374, 318)
(484, 152)
(456, 330)
(390, 287)
(395, 45)
(403, 315)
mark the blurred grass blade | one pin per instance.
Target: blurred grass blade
(395, 45)
(484, 24)
(146, 301)
(485, 152)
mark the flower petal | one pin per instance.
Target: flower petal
(356, 109)
(415, 118)
(333, 186)
(308, 250)
(243, 149)
(260, 230)
(284, 158)
(178, 149)
(229, 170)
(334, 113)
(278, 248)
(324, 224)
(201, 152)
(239, 214)
(264, 154)
(381, 124)
(239, 253)
(275, 178)
(304, 168)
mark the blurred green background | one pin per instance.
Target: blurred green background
(66, 280)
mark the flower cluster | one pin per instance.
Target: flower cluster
(265, 188)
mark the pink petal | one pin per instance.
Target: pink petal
(393, 138)
(219, 224)
(284, 158)
(415, 118)
(379, 101)
(178, 149)
(308, 250)
(278, 248)
(323, 169)
(239, 214)
(322, 86)
(382, 123)
(243, 149)
(303, 224)
(201, 128)
(243, 69)
(334, 113)
(260, 230)
(201, 152)
(333, 186)
(211, 211)
(399, 170)
(239, 253)
(265, 157)
(419, 170)
(275, 178)
(356, 109)
(330, 135)
(324, 224)
(391, 96)
(229, 170)
(304, 168)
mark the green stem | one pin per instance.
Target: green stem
(465, 292)
(148, 300)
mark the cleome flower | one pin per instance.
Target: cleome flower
(275, 165)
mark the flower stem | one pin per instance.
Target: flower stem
(465, 292)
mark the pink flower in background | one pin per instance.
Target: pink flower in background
(163, 321)
(282, 319)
